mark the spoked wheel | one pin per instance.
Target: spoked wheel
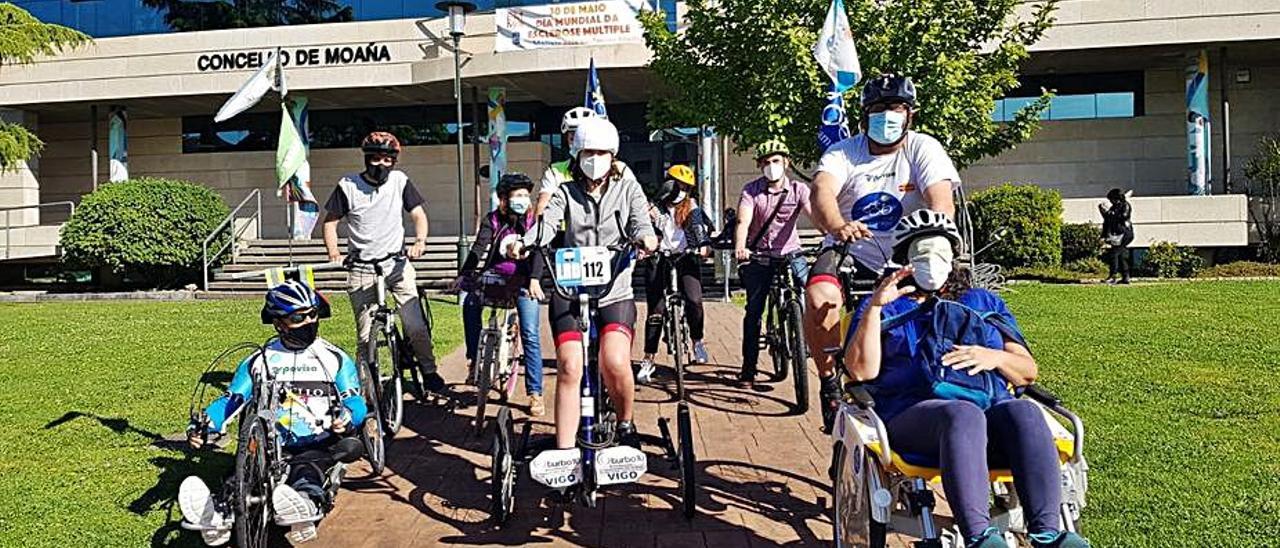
(799, 356)
(371, 432)
(502, 467)
(392, 396)
(853, 523)
(678, 334)
(252, 486)
(688, 462)
(488, 356)
(777, 342)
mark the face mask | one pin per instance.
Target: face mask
(596, 167)
(519, 206)
(931, 259)
(376, 174)
(886, 127)
(680, 197)
(773, 172)
(300, 337)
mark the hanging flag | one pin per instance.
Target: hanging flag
(306, 209)
(497, 141)
(291, 155)
(835, 51)
(1199, 178)
(118, 144)
(835, 123)
(269, 77)
(595, 94)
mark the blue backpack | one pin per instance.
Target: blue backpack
(950, 323)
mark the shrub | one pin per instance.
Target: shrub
(1263, 172)
(1033, 217)
(1240, 269)
(146, 229)
(1091, 265)
(1168, 260)
(1081, 241)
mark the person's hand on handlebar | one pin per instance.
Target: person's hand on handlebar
(417, 249)
(852, 231)
(646, 246)
(335, 256)
(517, 251)
(742, 254)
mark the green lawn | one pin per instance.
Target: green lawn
(86, 387)
(1176, 383)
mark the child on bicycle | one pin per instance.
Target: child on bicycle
(510, 221)
(964, 438)
(320, 407)
(682, 228)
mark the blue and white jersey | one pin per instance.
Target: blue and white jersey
(311, 382)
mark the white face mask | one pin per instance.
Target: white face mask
(595, 166)
(931, 259)
(519, 205)
(773, 171)
(680, 197)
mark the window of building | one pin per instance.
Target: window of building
(1078, 96)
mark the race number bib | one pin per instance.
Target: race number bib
(583, 266)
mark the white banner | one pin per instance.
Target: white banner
(577, 24)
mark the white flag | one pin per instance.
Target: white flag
(252, 91)
(835, 51)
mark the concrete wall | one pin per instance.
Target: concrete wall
(1083, 24)
(155, 149)
(1198, 221)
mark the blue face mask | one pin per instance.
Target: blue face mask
(886, 127)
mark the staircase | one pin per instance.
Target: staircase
(436, 269)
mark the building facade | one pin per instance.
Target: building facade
(1119, 119)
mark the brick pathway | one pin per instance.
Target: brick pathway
(762, 472)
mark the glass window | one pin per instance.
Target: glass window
(1073, 107)
(1115, 105)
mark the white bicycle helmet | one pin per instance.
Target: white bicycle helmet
(924, 222)
(574, 118)
(596, 134)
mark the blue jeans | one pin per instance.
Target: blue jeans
(528, 310)
(757, 279)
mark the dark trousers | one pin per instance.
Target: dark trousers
(757, 280)
(1118, 259)
(689, 270)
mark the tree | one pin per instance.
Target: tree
(22, 39)
(746, 67)
(1263, 171)
(194, 15)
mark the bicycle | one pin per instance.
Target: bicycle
(679, 344)
(784, 327)
(497, 359)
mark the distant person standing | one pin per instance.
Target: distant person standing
(1117, 232)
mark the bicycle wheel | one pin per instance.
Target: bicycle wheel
(252, 486)
(688, 462)
(852, 504)
(677, 332)
(371, 434)
(502, 467)
(799, 356)
(488, 355)
(776, 339)
(392, 396)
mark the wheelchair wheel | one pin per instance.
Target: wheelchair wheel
(392, 396)
(371, 434)
(688, 462)
(252, 486)
(799, 356)
(852, 519)
(502, 467)
(488, 356)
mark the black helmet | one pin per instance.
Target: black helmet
(888, 87)
(512, 182)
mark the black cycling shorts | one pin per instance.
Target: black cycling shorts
(827, 268)
(619, 316)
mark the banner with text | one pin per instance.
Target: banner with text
(576, 24)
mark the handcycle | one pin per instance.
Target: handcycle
(783, 335)
(675, 331)
(260, 461)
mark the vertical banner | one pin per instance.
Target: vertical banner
(835, 122)
(118, 144)
(306, 209)
(1199, 177)
(709, 173)
(497, 141)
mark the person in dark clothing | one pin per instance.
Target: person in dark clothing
(510, 221)
(1117, 232)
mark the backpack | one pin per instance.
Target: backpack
(950, 323)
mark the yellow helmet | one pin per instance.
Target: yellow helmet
(771, 147)
(683, 174)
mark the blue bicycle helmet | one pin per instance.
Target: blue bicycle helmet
(889, 87)
(292, 296)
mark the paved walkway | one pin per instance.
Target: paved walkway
(762, 472)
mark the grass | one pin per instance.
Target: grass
(86, 388)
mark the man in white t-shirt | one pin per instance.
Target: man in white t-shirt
(864, 185)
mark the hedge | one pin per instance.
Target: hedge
(1033, 217)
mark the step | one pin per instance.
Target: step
(314, 259)
(342, 242)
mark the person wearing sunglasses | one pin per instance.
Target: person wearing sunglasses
(317, 416)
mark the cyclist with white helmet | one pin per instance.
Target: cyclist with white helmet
(561, 172)
(864, 185)
(935, 418)
(314, 420)
(601, 205)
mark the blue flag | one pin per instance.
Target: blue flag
(595, 95)
(835, 124)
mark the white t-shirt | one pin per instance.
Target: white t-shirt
(673, 237)
(880, 190)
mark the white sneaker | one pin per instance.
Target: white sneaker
(646, 371)
(699, 353)
(198, 509)
(296, 510)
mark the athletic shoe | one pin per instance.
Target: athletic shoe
(433, 382)
(536, 407)
(829, 394)
(699, 353)
(296, 510)
(647, 368)
(1058, 539)
(627, 434)
(199, 509)
(991, 538)
(747, 376)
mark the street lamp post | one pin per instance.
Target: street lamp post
(458, 11)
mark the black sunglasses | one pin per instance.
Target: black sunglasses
(299, 317)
